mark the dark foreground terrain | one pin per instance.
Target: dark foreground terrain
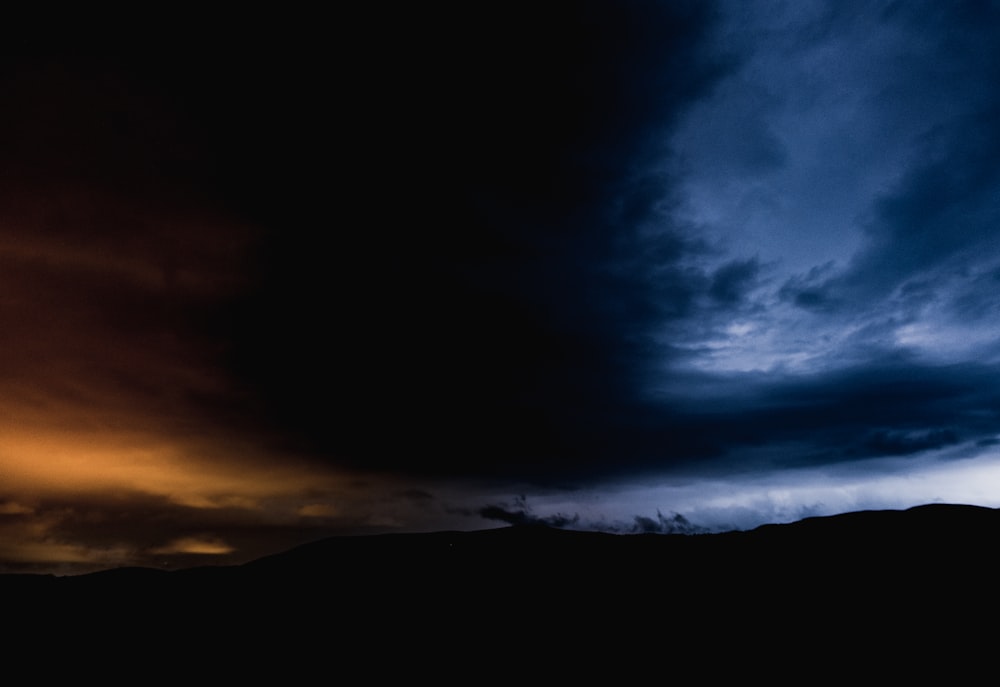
(895, 587)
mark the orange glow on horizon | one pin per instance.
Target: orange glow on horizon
(72, 462)
(195, 545)
(57, 484)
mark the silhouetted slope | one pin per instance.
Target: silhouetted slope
(522, 558)
(815, 586)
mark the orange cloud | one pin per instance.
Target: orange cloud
(31, 539)
(197, 475)
(194, 545)
(319, 510)
(47, 552)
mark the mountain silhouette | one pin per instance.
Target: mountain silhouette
(858, 579)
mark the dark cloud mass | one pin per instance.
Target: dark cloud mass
(264, 278)
(520, 514)
(467, 294)
(674, 524)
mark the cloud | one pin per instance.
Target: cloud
(416, 495)
(933, 217)
(731, 281)
(15, 508)
(95, 527)
(319, 510)
(59, 555)
(520, 514)
(585, 287)
(202, 473)
(885, 188)
(888, 443)
(879, 406)
(651, 239)
(674, 524)
(201, 545)
(462, 300)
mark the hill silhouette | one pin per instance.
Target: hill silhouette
(933, 540)
(811, 586)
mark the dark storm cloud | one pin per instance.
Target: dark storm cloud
(731, 281)
(416, 495)
(520, 514)
(262, 280)
(471, 258)
(811, 291)
(887, 407)
(942, 215)
(473, 292)
(890, 443)
(941, 212)
(474, 262)
(662, 524)
(878, 337)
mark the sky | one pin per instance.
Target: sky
(630, 266)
